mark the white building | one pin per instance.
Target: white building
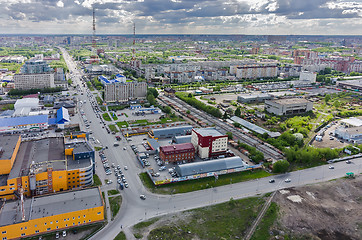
(352, 134)
(123, 92)
(287, 106)
(24, 106)
(209, 142)
(30, 81)
(308, 76)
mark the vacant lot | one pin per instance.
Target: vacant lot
(326, 211)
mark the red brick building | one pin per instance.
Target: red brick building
(177, 152)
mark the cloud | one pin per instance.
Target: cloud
(179, 15)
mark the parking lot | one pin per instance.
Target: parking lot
(329, 141)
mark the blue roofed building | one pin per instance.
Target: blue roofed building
(15, 124)
(62, 116)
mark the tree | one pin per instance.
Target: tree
(167, 109)
(151, 99)
(190, 95)
(238, 112)
(281, 166)
(152, 91)
(327, 98)
(225, 116)
(230, 135)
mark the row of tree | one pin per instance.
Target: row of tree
(199, 105)
(21, 92)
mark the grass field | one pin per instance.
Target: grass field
(113, 128)
(122, 124)
(203, 183)
(229, 220)
(96, 180)
(106, 117)
(114, 116)
(120, 236)
(99, 100)
(262, 231)
(115, 204)
(112, 192)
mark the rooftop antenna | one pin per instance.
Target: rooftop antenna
(94, 43)
(133, 48)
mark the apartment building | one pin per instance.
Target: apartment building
(31, 81)
(257, 71)
(125, 91)
(288, 106)
(209, 142)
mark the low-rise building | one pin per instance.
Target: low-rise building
(27, 123)
(51, 213)
(170, 132)
(209, 142)
(350, 134)
(355, 85)
(177, 153)
(288, 106)
(253, 98)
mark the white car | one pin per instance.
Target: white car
(125, 168)
(287, 180)
(64, 233)
(331, 167)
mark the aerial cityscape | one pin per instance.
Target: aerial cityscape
(181, 119)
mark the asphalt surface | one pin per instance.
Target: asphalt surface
(134, 209)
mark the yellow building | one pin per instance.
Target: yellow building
(44, 165)
(51, 213)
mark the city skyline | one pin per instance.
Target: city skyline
(274, 17)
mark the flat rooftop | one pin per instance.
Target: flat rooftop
(7, 144)
(55, 204)
(42, 153)
(76, 164)
(254, 95)
(80, 147)
(208, 132)
(356, 122)
(289, 101)
(177, 148)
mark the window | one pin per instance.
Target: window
(84, 216)
(98, 213)
(2, 189)
(45, 224)
(51, 222)
(57, 227)
(21, 228)
(36, 231)
(3, 232)
(23, 234)
(57, 221)
(48, 229)
(36, 226)
(73, 218)
(12, 188)
(4, 238)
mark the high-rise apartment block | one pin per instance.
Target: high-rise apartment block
(30, 81)
(125, 91)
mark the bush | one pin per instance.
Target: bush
(281, 166)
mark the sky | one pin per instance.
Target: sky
(275, 17)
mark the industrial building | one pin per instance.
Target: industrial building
(253, 98)
(170, 132)
(209, 142)
(44, 165)
(351, 84)
(117, 91)
(350, 134)
(181, 139)
(288, 106)
(31, 81)
(211, 166)
(177, 153)
(254, 128)
(51, 213)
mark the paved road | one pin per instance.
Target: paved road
(134, 209)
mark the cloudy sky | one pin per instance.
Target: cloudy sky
(182, 16)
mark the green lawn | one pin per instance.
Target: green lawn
(115, 204)
(99, 101)
(147, 223)
(120, 236)
(96, 180)
(113, 128)
(112, 192)
(263, 229)
(106, 117)
(113, 115)
(229, 220)
(126, 114)
(97, 148)
(203, 183)
(122, 124)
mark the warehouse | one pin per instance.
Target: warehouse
(51, 213)
(288, 106)
(181, 139)
(177, 153)
(28, 123)
(210, 166)
(350, 134)
(170, 132)
(253, 98)
(351, 84)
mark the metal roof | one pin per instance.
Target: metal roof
(154, 144)
(177, 148)
(62, 115)
(181, 130)
(356, 122)
(208, 132)
(209, 166)
(254, 127)
(182, 139)
(16, 121)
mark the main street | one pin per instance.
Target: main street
(134, 210)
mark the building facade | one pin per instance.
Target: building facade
(30, 81)
(177, 153)
(124, 92)
(352, 134)
(288, 106)
(35, 66)
(51, 213)
(257, 71)
(209, 142)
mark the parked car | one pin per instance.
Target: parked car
(143, 197)
(331, 167)
(271, 181)
(287, 180)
